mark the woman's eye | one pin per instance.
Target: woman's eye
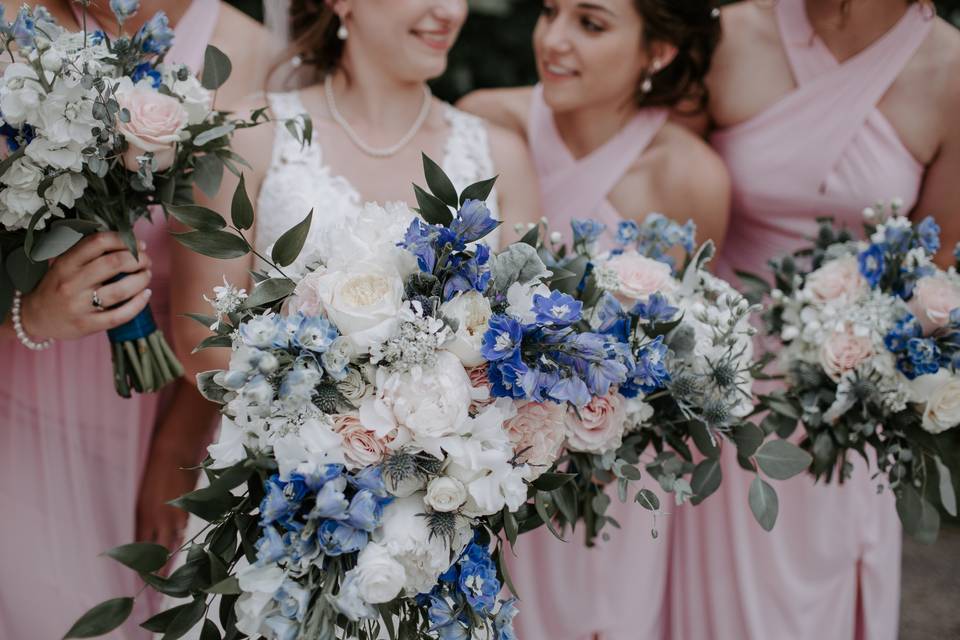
(548, 11)
(591, 25)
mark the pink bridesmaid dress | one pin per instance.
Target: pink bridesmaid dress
(831, 567)
(617, 589)
(72, 451)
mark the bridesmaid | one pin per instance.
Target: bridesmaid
(72, 452)
(819, 107)
(597, 127)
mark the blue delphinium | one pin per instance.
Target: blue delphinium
(445, 622)
(337, 538)
(270, 547)
(330, 501)
(872, 264)
(656, 309)
(478, 579)
(281, 500)
(923, 356)
(572, 390)
(659, 234)
(365, 511)
(24, 27)
(146, 70)
(650, 372)
(627, 232)
(502, 339)
(473, 221)
(155, 36)
(507, 376)
(557, 309)
(928, 234)
(610, 319)
(123, 9)
(503, 621)
(314, 333)
(586, 231)
(467, 272)
(903, 331)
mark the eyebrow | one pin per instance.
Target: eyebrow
(595, 7)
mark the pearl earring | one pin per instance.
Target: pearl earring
(647, 85)
(342, 32)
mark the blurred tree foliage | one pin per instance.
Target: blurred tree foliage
(494, 47)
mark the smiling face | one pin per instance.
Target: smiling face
(411, 38)
(589, 52)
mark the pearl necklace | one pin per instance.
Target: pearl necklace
(384, 152)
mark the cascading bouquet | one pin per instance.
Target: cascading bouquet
(388, 411)
(869, 336)
(97, 131)
(689, 340)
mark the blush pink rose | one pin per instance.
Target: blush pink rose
(600, 425)
(306, 296)
(934, 297)
(479, 380)
(156, 124)
(844, 351)
(361, 446)
(836, 280)
(537, 433)
(640, 277)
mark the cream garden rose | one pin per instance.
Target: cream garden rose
(537, 433)
(837, 280)
(843, 351)
(156, 125)
(600, 425)
(943, 407)
(639, 276)
(471, 311)
(934, 297)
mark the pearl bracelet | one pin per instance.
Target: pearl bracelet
(18, 327)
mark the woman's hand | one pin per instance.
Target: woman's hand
(62, 305)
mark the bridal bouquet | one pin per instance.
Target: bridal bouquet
(689, 342)
(389, 408)
(97, 131)
(870, 347)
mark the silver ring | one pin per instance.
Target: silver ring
(97, 302)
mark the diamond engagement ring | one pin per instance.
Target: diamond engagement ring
(97, 302)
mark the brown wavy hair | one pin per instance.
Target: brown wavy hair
(313, 37)
(693, 27)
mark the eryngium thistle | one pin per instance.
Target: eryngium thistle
(399, 467)
(441, 525)
(716, 413)
(328, 398)
(725, 374)
(686, 385)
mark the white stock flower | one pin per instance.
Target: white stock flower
(258, 585)
(56, 155)
(349, 602)
(196, 100)
(309, 448)
(380, 577)
(471, 311)
(65, 189)
(20, 93)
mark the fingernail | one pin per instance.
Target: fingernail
(143, 246)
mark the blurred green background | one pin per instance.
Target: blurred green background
(494, 48)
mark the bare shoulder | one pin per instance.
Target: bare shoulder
(506, 108)
(684, 166)
(508, 148)
(251, 51)
(944, 51)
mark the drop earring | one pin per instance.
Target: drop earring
(342, 32)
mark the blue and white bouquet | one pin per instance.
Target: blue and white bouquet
(96, 131)
(387, 412)
(870, 349)
(688, 343)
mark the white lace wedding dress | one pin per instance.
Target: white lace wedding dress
(299, 180)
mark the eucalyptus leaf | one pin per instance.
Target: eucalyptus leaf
(763, 503)
(551, 481)
(920, 518)
(213, 341)
(782, 460)
(648, 500)
(212, 134)
(288, 246)
(55, 242)
(704, 440)
(186, 619)
(227, 586)
(145, 557)
(781, 405)
(432, 208)
(948, 497)
(216, 68)
(197, 217)
(214, 244)
(438, 182)
(102, 619)
(241, 210)
(748, 437)
(208, 174)
(706, 478)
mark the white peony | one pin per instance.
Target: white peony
(349, 602)
(379, 576)
(258, 584)
(362, 300)
(471, 311)
(430, 402)
(445, 494)
(405, 535)
(370, 235)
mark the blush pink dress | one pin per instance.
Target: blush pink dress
(615, 590)
(72, 451)
(831, 567)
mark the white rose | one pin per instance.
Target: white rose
(472, 312)
(380, 578)
(310, 448)
(445, 494)
(942, 410)
(363, 301)
(196, 100)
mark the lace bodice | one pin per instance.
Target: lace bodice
(299, 180)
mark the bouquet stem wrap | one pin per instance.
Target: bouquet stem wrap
(142, 359)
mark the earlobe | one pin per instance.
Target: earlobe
(662, 54)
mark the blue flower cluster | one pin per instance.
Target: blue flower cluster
(155, 36)
(548, 359)
(882, 263)
(310, 338)
(123, 9)
(330, 512)
(471, 582)
(442, 251)
(146, 70)
(657, 236)
(918, 355)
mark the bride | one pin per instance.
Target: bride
(373, 115)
